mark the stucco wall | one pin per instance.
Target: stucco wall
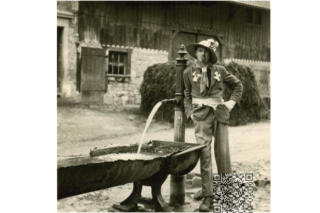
(68, 20)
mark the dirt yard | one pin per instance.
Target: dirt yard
(81, 129)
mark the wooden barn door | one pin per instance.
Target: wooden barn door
(188, 38)
(93, 68)
(182, 38)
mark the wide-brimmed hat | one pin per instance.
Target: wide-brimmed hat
(209, 44)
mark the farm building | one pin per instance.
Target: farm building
(105, 47)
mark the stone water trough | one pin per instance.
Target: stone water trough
(118, 165)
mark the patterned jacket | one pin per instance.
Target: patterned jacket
(218, 75)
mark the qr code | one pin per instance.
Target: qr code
(233, 193)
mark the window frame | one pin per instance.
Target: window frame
(250, 15)
(119, 77)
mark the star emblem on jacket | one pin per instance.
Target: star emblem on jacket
(217, 76)
(195, 76)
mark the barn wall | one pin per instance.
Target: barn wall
(153, 25)
(157, 26)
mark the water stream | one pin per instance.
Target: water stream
(150, 117)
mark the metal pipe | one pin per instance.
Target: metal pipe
(170, 101)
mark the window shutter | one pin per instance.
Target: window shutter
(92, 69)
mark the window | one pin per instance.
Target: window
(117, 63)
(231, 13)
(118, 66)
(249, 15)
(258, 18)
(254, 16)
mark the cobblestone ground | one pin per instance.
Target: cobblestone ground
(81, 129)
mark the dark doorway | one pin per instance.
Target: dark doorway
(59, 60)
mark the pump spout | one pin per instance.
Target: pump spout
(171, 101)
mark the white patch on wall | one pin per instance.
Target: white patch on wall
(142, 58)
(67, 89)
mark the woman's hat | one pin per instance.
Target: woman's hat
(209, 44)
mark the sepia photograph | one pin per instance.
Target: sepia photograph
(163, 106)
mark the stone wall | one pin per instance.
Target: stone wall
(67, 19)
(124, 93)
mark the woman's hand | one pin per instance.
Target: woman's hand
(230, 104)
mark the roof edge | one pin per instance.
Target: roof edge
(257, 4)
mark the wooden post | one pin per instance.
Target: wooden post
(177, 193)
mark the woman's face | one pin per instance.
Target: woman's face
(202, 55)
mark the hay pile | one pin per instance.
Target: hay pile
(159, 83)
(251, 107)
